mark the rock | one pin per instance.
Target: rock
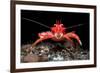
(43, 58)
(45, 52)
(31, 58)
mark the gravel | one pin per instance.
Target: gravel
(46, 52)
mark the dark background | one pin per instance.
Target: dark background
(30, 30)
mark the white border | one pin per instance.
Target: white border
(52, 64)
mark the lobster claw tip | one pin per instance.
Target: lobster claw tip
(80, 43)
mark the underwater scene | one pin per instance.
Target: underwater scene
(48, 36)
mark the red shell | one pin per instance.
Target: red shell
(58, 27)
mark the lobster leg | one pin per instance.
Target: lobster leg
(39, 40)
(75, 36)
(67, 37)
(43, 36)
(36, 42)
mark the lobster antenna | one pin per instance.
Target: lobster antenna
(74, 26)
(48, 26)
(36, 22)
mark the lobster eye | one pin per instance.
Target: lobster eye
(62, 25)
(54, 24)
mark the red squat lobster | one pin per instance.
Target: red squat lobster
(57, 33)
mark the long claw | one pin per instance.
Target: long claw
(75, 36)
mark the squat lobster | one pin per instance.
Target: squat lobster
(57, 33)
